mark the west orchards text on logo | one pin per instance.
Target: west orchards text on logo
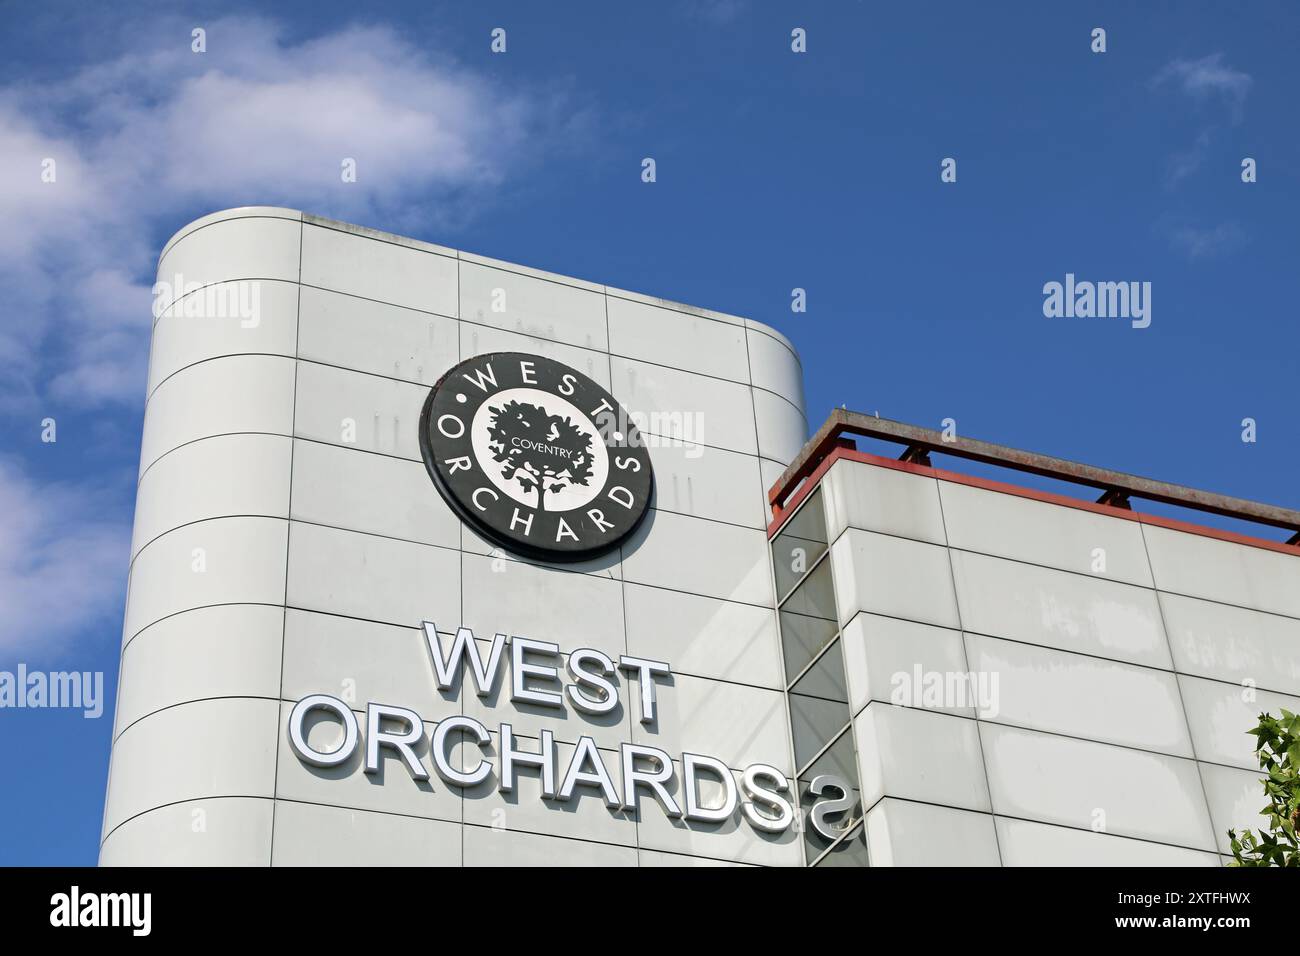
(535, 456)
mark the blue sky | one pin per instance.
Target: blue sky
(775, 170)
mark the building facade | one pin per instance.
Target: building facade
(289, 541)
(1022, 678)
(357, 633)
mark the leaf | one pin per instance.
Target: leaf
(1277, 747)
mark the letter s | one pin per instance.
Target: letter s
(769, 798)
(828, 806)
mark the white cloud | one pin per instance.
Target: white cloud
(1182, 165)
(144, 140)
(1208, 78)
(1199, 242)
(62, 562)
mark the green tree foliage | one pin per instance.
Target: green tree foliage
(1277, 745)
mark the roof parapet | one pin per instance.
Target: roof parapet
(1116, 487)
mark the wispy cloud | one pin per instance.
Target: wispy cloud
(1183, 164)
(1209, 83)
(1208, 78)
(1199, 242)
(62, 563)
(155, 134)
(145, 138)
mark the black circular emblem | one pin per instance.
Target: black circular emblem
(535, 456)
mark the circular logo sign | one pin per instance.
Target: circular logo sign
(535, 456)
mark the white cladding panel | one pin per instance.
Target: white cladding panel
(1112, 669)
